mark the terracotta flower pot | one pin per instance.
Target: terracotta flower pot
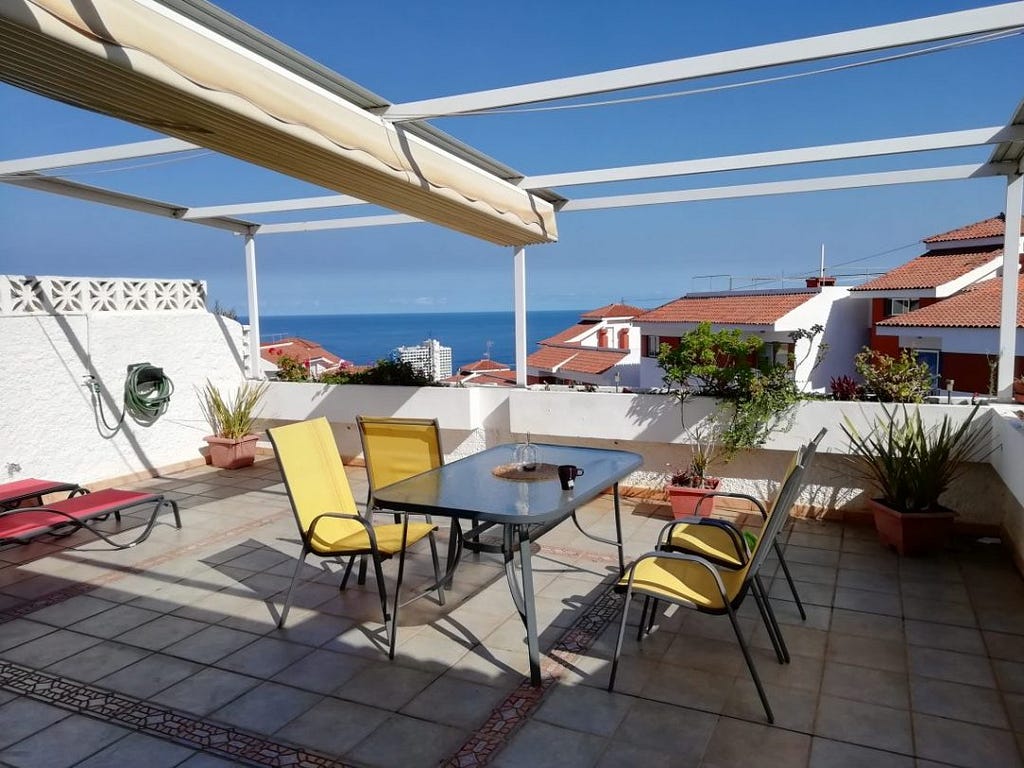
(912, 533)
(228, 453)
(1018, 391)
(684, 500)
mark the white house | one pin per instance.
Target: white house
(603, 349)
(771, 315)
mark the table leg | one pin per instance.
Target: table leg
(530, 617)
(509, 553)
(618, 530)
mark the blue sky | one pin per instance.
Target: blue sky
(645, 256)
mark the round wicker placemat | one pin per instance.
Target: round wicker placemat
(515, 472)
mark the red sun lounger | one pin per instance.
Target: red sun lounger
(13, 494)
(24, 523)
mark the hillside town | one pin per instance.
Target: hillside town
(943, 306)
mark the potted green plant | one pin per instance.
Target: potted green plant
(687, 486)
(912, 466)
(1018, 390)
(232, 444)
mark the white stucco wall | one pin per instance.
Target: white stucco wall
(972, 341)
(474, 418)
(47, 417)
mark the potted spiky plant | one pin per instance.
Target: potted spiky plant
(232, 444)
(687, 486)
(912, 466)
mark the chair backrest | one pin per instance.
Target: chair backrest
(395, 449)
(778, 514)
(312, 469)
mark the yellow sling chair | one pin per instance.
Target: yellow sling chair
(329, 521)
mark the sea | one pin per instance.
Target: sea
(364, 339)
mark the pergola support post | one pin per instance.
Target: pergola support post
(519, 268)
(254, 307)
(1008, 307)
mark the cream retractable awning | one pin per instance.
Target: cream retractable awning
(142, 62)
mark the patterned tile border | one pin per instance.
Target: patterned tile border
(117, 708)
(512, 713)
(479, 750)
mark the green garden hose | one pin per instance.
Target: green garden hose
(147, 393)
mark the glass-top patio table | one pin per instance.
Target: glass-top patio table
(526, 509)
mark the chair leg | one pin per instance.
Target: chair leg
(348, 572)
(792, 586)
(759, 599)
(643, 618)
(618, 642)
(381, 590)
(750, 663)
(291, 587)
(361, 579)
(772, 619)
(650, 619)
(437, 565)
(398, 586)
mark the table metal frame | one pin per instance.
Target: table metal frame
(467, 490)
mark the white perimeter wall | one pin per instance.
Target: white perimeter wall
(47, 420)
(473, 418)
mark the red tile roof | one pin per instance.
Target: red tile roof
(993, 227)
(503, 378)
(729, 309)
(612, 310)
(976, 307)
(568, 359)
(495, 378)
(563, 337)
(300, 350)
(484, 365)
(931, 270)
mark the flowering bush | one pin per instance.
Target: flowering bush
(902, 379)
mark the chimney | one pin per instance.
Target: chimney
(820, 282)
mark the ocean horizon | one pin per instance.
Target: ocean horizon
(364, 339)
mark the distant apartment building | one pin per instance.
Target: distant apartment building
(431, 357)
(945, 306)
(603, 349)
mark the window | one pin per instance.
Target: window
(652, 345)
(602, 338)
(624, 338)
(895, 307)
(932, 358)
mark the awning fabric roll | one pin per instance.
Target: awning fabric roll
(141, 62)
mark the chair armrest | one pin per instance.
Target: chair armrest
(677, 556)
(343, 516)
(665, 537)
(734, 495)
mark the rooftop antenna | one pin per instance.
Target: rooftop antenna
(822, 272)
(487, 349)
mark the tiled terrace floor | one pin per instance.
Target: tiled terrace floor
(167, 655)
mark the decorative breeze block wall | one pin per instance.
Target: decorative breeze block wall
(31, 295)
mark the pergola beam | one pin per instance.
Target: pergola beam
(349, 223)
(121, 200)
(1005, 374)
(97, 155)
(857, 149)
(854, 181)
(278, 206)
(971, 22)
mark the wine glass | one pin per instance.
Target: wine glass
(525, 456)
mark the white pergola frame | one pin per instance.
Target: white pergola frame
(1007, 159)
